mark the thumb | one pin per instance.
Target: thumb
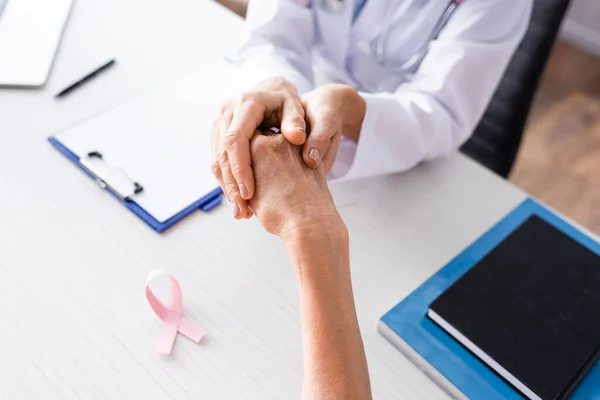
(293, 125)
(323, 129)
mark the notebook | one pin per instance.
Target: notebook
(530, 309)
(30, 31)
(513, 316)
(153, 152)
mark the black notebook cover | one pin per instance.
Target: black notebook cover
(533, 306)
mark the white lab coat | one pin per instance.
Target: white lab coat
(412, 115)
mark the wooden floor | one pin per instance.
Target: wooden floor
(559, 161)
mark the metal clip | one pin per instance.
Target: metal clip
(110, 176)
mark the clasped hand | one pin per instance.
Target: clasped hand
(290, 199)
(281, 178)
(315, 121)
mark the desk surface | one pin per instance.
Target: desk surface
(75, 323)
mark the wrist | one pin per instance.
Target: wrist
(306, 226)
(319, 251)
(279, 83)
(324, 230)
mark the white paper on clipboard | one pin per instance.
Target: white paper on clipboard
(161, 139)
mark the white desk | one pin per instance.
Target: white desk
(75, 323)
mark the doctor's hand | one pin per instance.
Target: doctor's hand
(290, 198)
(273, 103)
(330, 111)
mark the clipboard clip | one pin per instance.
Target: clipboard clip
(110, 176)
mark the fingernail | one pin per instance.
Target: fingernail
(243, 191)
(315, 155)
(236, 210)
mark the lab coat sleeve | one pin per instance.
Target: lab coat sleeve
(437, 110)
(278, 43)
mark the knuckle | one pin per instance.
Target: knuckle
(215, 168)
(297, 120)
(230, 141)
(222, 158)
(231, 135)
(232, 191)
(237, 169)
(246, 97)
(251, 104)
(293, 98)
(280, 82)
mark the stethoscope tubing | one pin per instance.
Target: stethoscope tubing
(337, 6)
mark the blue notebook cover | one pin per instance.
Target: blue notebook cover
(439, 354)
(206, 203)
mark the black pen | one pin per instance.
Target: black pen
(85, 79)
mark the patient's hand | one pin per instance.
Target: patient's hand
(290, 197)
(294, 202)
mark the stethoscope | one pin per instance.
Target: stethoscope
(383, 39)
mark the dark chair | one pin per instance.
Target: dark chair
(495, 141)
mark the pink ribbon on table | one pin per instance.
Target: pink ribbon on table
(172, 316)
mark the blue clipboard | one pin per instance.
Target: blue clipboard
(444, 355)
(160, 137)
(206, 203)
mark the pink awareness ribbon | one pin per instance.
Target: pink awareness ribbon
(172, 316)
